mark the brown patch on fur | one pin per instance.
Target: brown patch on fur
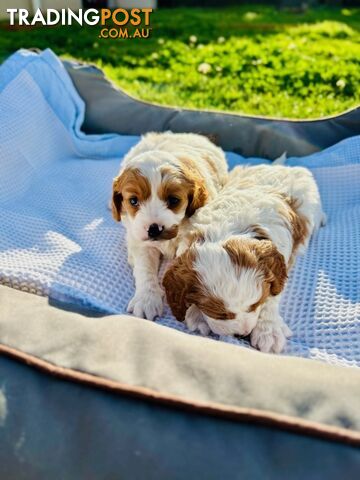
(169, 233)
(196, 236)
(272, 263)
(174, 184)
(180, 281)
(197, 193)
(131, 183)
(261, 255)
(184, 288)
(240, 252)
(260, 233)
(213, 307)
(299, 225)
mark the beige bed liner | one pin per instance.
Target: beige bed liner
(140, 358)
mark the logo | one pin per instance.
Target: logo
(116, 24)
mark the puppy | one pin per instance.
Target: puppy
(234, 260)
(163, 180)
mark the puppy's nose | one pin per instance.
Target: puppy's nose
(154, 230)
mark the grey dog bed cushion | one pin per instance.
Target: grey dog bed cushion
(111, 110)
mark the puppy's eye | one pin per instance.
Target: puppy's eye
(173, 201)
(134, 201)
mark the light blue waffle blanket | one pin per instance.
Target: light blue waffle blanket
(57, 237)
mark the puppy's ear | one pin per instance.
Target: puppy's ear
(273, 264)
(181, 283)
(197, 197)
(195, 185)
(117, 199)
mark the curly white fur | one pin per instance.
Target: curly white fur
(154, 152)
(253, 198)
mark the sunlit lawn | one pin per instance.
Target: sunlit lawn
(248, 59)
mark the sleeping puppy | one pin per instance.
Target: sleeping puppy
(163, 180)
(234, 260)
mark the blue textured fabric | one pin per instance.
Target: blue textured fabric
(57, 237)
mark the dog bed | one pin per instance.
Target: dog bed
(57, 239)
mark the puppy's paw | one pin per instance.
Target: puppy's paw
(195, 321)
(147, 304)
(270, 336)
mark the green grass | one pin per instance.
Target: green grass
(254, 60)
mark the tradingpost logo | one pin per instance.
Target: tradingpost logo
(116, 24)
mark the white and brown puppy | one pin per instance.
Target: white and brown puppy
(233, 263)
(163, 180)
